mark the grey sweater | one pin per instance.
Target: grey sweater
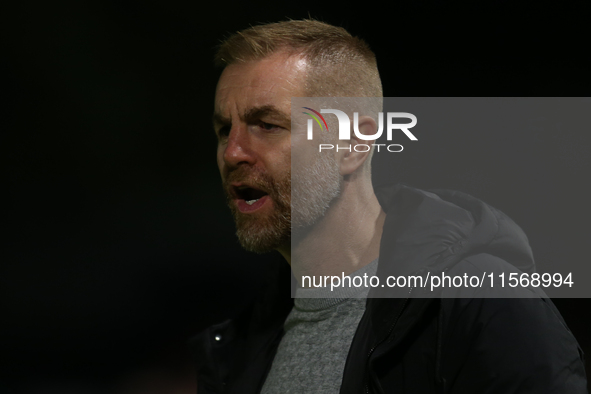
(318, 333)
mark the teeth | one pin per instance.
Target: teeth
(250, 202)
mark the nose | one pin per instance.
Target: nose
(238, 149)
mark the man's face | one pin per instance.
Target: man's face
(252, 121)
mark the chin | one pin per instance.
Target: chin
(264, 240)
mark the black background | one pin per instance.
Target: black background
(119, 245)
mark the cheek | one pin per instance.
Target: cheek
(220, 159)
(282, 161)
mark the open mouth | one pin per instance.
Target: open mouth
(249, 198)
(248, 194)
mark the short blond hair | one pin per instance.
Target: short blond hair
(341, 65)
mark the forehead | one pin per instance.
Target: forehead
(269, 81)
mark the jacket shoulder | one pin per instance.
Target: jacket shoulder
(523, 345)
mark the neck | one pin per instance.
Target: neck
(346, 239)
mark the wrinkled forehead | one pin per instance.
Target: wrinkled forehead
(269, 81)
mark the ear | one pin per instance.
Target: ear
(353, 157)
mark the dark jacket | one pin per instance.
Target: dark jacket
(414, 345)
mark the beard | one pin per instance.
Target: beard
(297, 206)
(255, 232)
(314, 189)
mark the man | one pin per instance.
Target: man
(350, 341)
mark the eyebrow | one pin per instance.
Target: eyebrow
(267, 110)
(254, 114)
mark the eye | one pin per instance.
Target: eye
(267, 126)
(223, 132)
